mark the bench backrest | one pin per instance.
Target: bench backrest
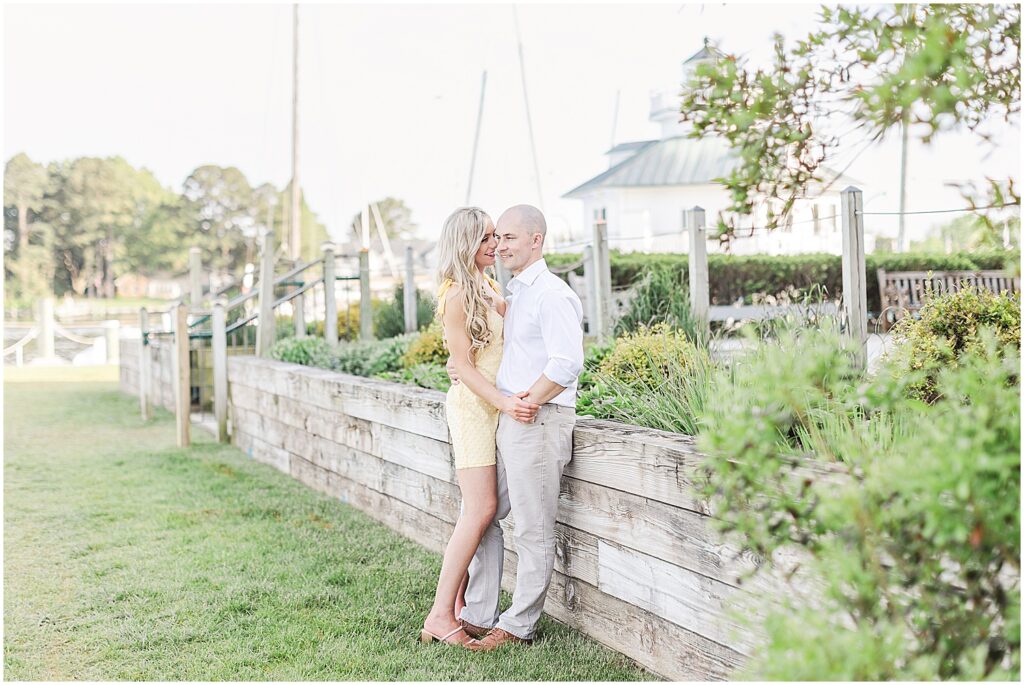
(906, 291)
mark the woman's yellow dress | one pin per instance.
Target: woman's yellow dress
(472, 420)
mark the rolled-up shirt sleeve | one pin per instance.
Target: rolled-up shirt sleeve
(561, 324)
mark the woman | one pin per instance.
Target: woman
(471, 308)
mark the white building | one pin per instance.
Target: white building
(649, 185)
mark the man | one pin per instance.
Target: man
(543, 354)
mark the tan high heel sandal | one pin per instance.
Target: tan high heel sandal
(426, 637)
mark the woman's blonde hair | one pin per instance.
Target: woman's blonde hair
(461, 236)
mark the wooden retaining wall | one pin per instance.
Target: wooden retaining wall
(639, 565)
(161, 387)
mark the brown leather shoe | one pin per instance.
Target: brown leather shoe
(494, 639)
(472, 630)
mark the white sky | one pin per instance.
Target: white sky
(389, 97)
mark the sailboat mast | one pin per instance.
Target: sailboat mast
(476, 138)
(294, 224)
(526, 103)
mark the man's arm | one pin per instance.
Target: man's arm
(544, 390)
(562, 331)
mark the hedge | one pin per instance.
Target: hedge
(733, 277)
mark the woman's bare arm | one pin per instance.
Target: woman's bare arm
(459, 344)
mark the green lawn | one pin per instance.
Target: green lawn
(128, 559)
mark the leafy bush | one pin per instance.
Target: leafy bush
(371, 357)
(642, 358)
(389, 317)
(427, 347)
(593, 355)
(654, 377)
(307, 351)
(916, 539)
(949, 327)
(367, 358)
(424, 375)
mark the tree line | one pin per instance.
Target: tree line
(75, 226)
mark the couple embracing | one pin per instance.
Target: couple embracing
(511, 412)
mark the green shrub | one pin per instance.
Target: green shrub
(593, 354)
(642, 358)
(389, 316)
(948, 328)
(916, 540)
(307, 351)
(424, 375)
(371, 357)
(654, 377)
(427, 347)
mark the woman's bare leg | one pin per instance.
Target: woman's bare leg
(479, 504)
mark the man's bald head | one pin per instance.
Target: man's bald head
(527, 217)
(521, 231)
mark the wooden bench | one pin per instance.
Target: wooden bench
(903, 293)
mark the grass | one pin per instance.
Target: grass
(126, 558)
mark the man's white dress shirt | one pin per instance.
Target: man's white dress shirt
(543, 334)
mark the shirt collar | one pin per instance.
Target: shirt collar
(529, 275)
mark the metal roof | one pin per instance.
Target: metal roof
(623, 147)
(670, 162)
(709, 51)
(682, 161)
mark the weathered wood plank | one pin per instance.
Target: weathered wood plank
(261, 451)
(656, 464)
(424, 454)
(265, 428)
(665, 648)
(253, 399)
(576, 554)
(421, 412)
(340, 428)
(676, 535)
(638, 460)
(415, 524)
(699, 604)
(415, 410)
(310, 474)
(434, 496)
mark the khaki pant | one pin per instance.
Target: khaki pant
(530, 460)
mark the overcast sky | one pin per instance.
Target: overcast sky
(389, 97)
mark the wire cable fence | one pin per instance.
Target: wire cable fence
(784, 225)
